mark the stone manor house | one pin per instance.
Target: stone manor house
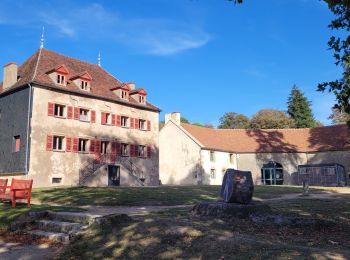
(68, 122)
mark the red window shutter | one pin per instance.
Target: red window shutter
(92, 146)
(132, 123)
(76, 113)
(148, 125)
(113, 119)
(103, 118)
(50, 109)
(149, 152)
(70, 112)
(75, 145)
(68, 144)
(119, 120)
(93, 116)
(136, 123)
(97, 146)
(49, 142)
(18, 144)
(135, 150)
(114, 148)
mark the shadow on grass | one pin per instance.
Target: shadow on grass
(177, 234)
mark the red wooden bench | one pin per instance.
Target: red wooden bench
(19, 190)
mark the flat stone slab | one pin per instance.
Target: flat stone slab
(222, 209)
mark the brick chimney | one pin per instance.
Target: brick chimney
(10, 75)
(175, 116)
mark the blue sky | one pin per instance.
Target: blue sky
(200, 57)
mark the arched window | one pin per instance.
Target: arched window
(272, 173)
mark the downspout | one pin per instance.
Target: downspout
(28, 127)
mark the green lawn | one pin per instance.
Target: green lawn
(163, 195)
(176, 234)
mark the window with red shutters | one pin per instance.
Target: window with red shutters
(70, 112)
(75, 145)
(93, 116)
(148, 125)
(92, 146)
(136, 123)
(68, 144)
(119, 119)
(103, 118)
(114, 148)
(132, 123)
(49, 142)
(149, 152)
(50, 109)
(113, 119)
(76, 113)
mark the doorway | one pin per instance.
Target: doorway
(272, 173)
(113, 175)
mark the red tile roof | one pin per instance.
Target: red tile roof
(330, 138)
(34, 70)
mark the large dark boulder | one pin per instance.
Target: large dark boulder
(237, 186)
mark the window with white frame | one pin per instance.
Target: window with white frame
(141, 99)
(124, 94)
(84, 85)
(124, 149)
(60, 79)
(142, 124)
(108, 119)
(212, 156)
(141, 151)
(231, 158)
(212, 173)
(124, 121)
(59, 110)
(83, 145)
(104, 147)
(57, 143)
(84, 115)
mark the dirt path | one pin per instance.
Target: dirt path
(310, 196)
(129, 210)
(19, 251)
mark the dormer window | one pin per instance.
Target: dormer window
(60, 79)
(139, 95)
(59, 75)
(82, 81)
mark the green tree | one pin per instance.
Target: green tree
(271, 119)
(299, 109)
(184, 120)
(232, 120)
(338, 116)
(340, 45)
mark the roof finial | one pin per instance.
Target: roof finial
(42, 38)
(99, 58)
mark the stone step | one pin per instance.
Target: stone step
(54, 236)
(75, 217)
(59, 226)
